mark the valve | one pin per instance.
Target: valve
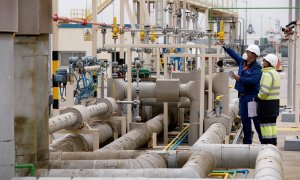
(115, 29)
(142, 36)
(152, 36)
(218, 105)
(221, 33)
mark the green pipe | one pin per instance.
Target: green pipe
(210, 10)
(232, 171)
(29, 166)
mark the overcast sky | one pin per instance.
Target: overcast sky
(255, 17)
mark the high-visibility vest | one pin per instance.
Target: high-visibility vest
(269, 84)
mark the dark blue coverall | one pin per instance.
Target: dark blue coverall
(247, 87)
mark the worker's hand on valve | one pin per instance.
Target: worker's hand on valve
(236, 77)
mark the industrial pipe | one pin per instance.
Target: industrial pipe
(94, 155)
(222, 8)
(232, 155)
(141, 160)
(26, 166)
(70, 143)
(84, 142)
(198, 166)
(74, 117)
(269, 164)
(61, 122)
(137, 137)
(83, 22)
(215, 134)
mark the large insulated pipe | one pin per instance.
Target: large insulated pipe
(85, 142)
(198, 166)
(232, 155)
(70, 143)
(192, 91)
(142, 160)
(269, 164)
(94, 155)
(138, 137)
(215, 134)
(61, 122)
(74, 117)
(220, 86)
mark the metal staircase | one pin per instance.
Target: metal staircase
(87, 14)
(101, 6)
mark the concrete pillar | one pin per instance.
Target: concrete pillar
(8, 25)
(31, 98)
(7, 143)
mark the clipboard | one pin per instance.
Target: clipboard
(252, 109)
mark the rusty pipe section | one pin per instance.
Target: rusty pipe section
(137, 137)
(215, 134)
(74, 117)
(141, 160)
(198, 165)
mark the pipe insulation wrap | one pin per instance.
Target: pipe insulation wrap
(82, 113)
(232, 155)
(137, 138)
(87, 140)
(141, 161)
(95, 155)
(198, 166)
(61, 122)
(105, 132)
(98, 109)
(269, 164)
(70, 143)
(215, 134)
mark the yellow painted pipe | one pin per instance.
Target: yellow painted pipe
(224, 175)
(177, 137)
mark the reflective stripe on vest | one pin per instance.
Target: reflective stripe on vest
(269, 85)
(268, 130)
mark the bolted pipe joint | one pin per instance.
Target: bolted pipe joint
(82, 113)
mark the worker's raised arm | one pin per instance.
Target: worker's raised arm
(238, 59)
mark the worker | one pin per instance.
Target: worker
(268, 100)
(247, 85)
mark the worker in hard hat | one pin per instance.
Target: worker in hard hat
(247, 85)
(268, 99)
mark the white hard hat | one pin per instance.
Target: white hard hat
(245, 56)
(272, 59)
(253, 48)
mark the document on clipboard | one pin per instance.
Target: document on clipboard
(252, 107)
